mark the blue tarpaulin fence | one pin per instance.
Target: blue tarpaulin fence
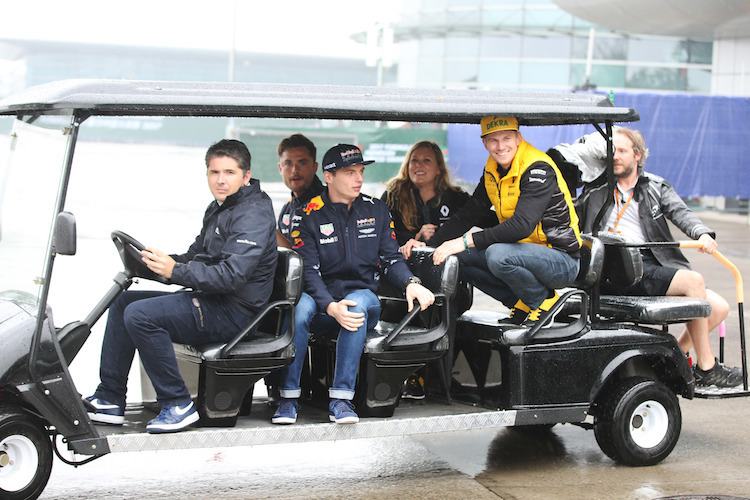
(701, 144)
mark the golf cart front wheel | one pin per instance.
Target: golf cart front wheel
(639, 423)
(25, 456)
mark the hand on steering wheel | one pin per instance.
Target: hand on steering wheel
(130, 253)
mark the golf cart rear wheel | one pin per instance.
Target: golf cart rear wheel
(25, 455)
(639, 423)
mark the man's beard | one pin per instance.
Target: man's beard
(627, 172)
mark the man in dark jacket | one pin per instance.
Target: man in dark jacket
(529, 243)
(297, 167)
(229, 269)
(346, 240)
(643, 203)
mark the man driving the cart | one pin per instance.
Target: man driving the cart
(643, 203)
(529, 242)
(229, 271)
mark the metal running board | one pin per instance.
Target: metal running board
(714, 392)
(312, 425)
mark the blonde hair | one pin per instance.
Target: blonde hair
(400, 197)
(638, 141)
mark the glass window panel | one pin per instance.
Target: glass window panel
(500, 46)
(461, 71)
(432, 18)
(579, 47)
(656, 78)
(432, 47)
(430, 72)
(699, 80)
(533, 73)
(602, 76)
(462, 47)
(464, 17)
(700, 52)
(546, 18)
(653, 50)
(492, 73)
(546, 46)
(605, 76)
(610, 48)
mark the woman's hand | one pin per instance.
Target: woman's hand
(405, 249)
(426, 232)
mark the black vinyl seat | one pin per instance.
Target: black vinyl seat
(223, 374)
(400, 343)
(624, 267)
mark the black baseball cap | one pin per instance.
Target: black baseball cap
(343, 155)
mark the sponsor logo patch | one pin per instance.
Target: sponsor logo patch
(326, 229)
(370, 221)
(332, 239)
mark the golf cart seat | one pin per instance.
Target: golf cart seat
(624, 267)
(400, 343)
(222, 375)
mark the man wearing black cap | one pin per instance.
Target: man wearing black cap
(342, 235)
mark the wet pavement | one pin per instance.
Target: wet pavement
(710, 460)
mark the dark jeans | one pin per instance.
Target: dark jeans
(349, 345)
(150, 321)
(512, 271)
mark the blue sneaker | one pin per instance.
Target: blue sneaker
(286, 413)
(173, 419)
(342, 411)
(104, 412)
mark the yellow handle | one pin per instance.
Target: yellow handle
(727, 263)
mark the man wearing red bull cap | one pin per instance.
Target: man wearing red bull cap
(529, 241)
(342, 235)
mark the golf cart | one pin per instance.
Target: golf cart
(592, 366)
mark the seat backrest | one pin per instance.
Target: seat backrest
(623, 266)
(439, 279)
(592, 262)
(287, 283)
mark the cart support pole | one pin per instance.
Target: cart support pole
(740, 300)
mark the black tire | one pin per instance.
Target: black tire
(639, 423)
(25, 455)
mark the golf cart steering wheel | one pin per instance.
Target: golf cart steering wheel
(130, 252)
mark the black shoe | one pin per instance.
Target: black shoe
(539, 312)
(518, 313)
(413, 387)
(719, 375)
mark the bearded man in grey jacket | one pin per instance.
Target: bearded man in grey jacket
(643, 203)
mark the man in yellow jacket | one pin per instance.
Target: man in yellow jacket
(528, 243)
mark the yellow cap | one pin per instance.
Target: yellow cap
(497, 123)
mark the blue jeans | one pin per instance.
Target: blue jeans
(150, 321)
(349, 345)
(512, 271)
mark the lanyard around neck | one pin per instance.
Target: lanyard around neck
(617, 203)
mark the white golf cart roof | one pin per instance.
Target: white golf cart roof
(171, 98)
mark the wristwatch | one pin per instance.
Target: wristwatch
(413, 279)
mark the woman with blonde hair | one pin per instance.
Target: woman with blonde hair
(421, 197)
